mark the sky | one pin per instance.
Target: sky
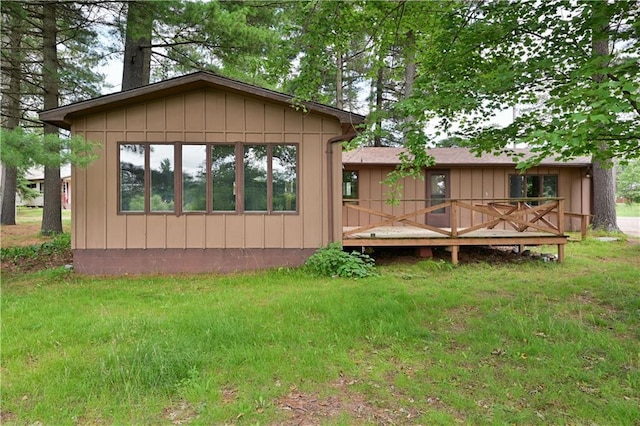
(113, 74)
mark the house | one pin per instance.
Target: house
(202, 173)
(35, 179)
(459, 174)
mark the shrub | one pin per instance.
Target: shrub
(59, 244)
(332, 261)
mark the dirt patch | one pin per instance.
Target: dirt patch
(21, 235)
(22, 252)
(6, 416)
(309, 409)
(179, 414)
(37, 263)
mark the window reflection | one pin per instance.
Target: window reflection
(132, 178)
(194, 178)
(162, 169)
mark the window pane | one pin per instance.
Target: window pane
(255, 177)
(223, 175)
(162, 168)
(350, 184)
(516, 184)
(533, 187)
(550, 186)
(194, 178)
(438, 190)
(284, 174)
(132, 178)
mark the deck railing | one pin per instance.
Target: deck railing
(525, 214)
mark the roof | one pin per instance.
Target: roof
(37, 173)
(450, 157)
(62, 116)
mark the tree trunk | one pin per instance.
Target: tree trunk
(339, 74)
(604, 184)
(9, 185)
(136, 71)
(604, 198)
(52, 211)
(377, 140)
(12, 72)
(409, 74)
(410, 67)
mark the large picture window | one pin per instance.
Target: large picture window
(203, 178)
(533, 186)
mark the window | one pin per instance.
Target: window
(162, 174)
(194, 178)
(270, 178)
(132, 178)
(533, 186)
(255, 177)
(437, 190)
(202, 178)
(284, 179)
(349, 185)
(223, 177)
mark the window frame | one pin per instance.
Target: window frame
(178, 179)
(525, 178)
(351, 199)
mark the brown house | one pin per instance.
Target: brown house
(201, 173)
(459, 174)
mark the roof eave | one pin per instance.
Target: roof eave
(62, 116)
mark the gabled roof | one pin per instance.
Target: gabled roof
(62, 116)
(450, 157)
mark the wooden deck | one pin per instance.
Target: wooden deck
(521, 223)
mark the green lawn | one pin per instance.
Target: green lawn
(534, 343)
(628, 210)
(26, 215)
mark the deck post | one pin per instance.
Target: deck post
(560, 253)
(560, 216)
(584, 221)
(454, 254)
(454, 218)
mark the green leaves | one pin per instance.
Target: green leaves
(628, 185)
(499, 54)
(332, 261)
(23, 149)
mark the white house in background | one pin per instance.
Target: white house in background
(35, 177)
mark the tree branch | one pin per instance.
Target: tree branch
(626, 94)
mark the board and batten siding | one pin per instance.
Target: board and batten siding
(478, 183)
(204, 115)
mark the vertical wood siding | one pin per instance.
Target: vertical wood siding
(202, 116)
(479, 183)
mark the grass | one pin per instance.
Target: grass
(628, 210)
(536, 343)
(27, 232)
